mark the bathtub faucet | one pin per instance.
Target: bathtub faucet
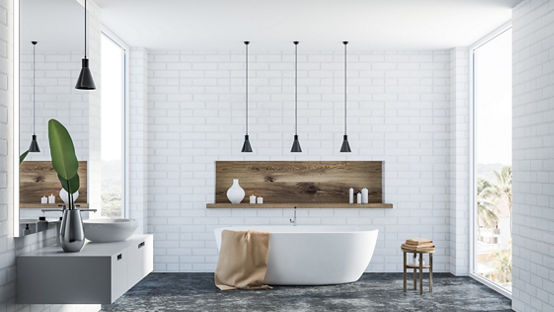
(293, 220)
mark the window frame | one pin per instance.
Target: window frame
(472, 169)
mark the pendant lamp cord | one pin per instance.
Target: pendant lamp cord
(246, 45)
(345, 81)
(85, 28)
(296, 87)
(34, 84)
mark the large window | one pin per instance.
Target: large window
(112, 127)
(492, 96)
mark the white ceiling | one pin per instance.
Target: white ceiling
(57, 25)
(318, 24)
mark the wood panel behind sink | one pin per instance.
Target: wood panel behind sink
(300, 181)
(38, 178)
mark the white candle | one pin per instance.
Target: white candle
(260, 200)
(44, 200)
(252, 199)
(351, 196)
(51, 199)
(359, 198)
(365, 196)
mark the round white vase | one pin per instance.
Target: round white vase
(65, 198)
(235, 193)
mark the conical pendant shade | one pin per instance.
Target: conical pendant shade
(33, 148)
(85, 81)
(246, 147)
(345, 148)
(296, 145)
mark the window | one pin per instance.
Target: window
(492, 172)
(113, 58)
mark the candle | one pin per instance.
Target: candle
(51, 199)
(260, 200)
(359, 198)
(365, 196)
(351, 196)
(44, 200)
(252, 199)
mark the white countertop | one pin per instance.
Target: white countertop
(89, 250)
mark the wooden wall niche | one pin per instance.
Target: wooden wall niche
(307, 182)
(38, 178)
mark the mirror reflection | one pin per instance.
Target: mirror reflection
(51, 48)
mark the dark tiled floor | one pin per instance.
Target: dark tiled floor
(373, 292)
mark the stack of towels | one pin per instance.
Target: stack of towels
(418, 245)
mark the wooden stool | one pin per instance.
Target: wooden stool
(419, 267)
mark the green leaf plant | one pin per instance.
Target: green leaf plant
(64, 160)
(22, 156)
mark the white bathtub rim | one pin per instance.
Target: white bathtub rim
(298, 229)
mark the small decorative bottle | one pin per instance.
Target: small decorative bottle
(351, 196)
(359, 198)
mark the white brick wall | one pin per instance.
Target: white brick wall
(399, 112)
(459, 161)
(56, 97)
(533, 156)
(136, 132)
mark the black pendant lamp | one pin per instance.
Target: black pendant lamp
(33, 148)
(296, 144)
(345, 147)
(85, 81)
(246, 147)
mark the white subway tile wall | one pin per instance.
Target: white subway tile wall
(56, 97)
(399, 112)
(136, 136)
(533, 156)
(459, 161)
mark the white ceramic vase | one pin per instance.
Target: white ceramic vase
(235, 193)
(64, 197)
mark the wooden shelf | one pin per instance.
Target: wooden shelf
(50, 206)
(298, 205)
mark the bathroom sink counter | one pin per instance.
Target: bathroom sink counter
(98, 274)
(90, 249)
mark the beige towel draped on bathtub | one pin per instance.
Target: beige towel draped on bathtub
(242, 260)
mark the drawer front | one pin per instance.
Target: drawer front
(141, 255)
(120, 274)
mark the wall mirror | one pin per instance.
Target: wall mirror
(50, 51)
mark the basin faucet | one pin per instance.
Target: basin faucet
(293, 220)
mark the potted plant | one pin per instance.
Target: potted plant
(65, 163)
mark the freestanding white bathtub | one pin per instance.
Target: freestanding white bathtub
(314, 255)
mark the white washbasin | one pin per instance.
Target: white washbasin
(109, 230)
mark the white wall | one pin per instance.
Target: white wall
(533, 156)
(56, 97)
(136, 137)
(399, 112)
(459, 161)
